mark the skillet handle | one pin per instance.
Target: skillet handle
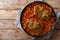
(37, 0)
(58, 15)
(18, 19)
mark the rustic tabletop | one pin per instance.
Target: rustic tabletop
(8, 16)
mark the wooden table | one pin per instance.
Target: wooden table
(8, 16)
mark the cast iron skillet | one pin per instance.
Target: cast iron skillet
(30, 4)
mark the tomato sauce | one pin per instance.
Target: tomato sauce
(38, 19)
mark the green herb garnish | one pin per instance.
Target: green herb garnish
(40, 15)
(30, 22)
(36, 27)
(37, 9)
(47, 14)
(31, 28)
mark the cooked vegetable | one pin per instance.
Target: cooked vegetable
(40, 15)
(47, 14)
(37, 9)
(30, 22)
(36, 27)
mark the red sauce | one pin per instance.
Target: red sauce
(37, 19)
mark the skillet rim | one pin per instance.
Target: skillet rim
(30, 4)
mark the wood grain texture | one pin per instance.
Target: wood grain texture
(13, 35)
(55, 35)
(53, 3)
(8, 24)
(57, 26)
(8, 14)
(18, 4)
(13, 4)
